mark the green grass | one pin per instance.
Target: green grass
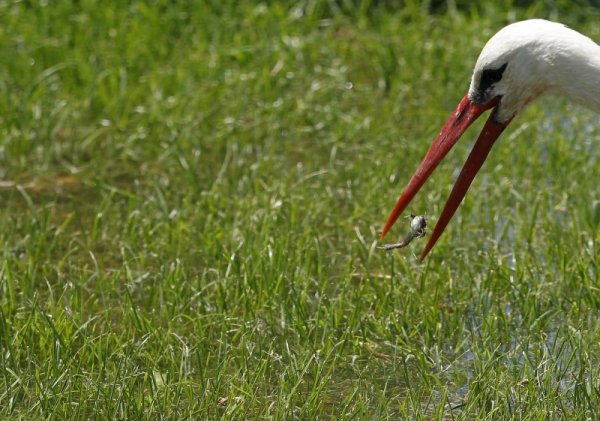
(190, 205)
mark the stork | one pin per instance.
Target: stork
(518, 64)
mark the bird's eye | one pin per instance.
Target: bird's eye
(491, 76)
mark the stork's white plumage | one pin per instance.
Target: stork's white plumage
(518, 64)
(541, 57)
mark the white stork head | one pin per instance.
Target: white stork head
(527, 59)
(519, 63)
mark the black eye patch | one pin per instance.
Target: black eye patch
(491, 76)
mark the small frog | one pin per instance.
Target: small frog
(418, 226)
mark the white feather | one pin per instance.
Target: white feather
(542, 57)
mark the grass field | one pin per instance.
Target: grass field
(191, 197)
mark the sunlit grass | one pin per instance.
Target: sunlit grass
(191, 199)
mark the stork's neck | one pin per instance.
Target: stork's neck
(576, 71)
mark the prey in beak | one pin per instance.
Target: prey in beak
(518, 64)
(461, 118)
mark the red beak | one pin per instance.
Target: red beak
(460, 119)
